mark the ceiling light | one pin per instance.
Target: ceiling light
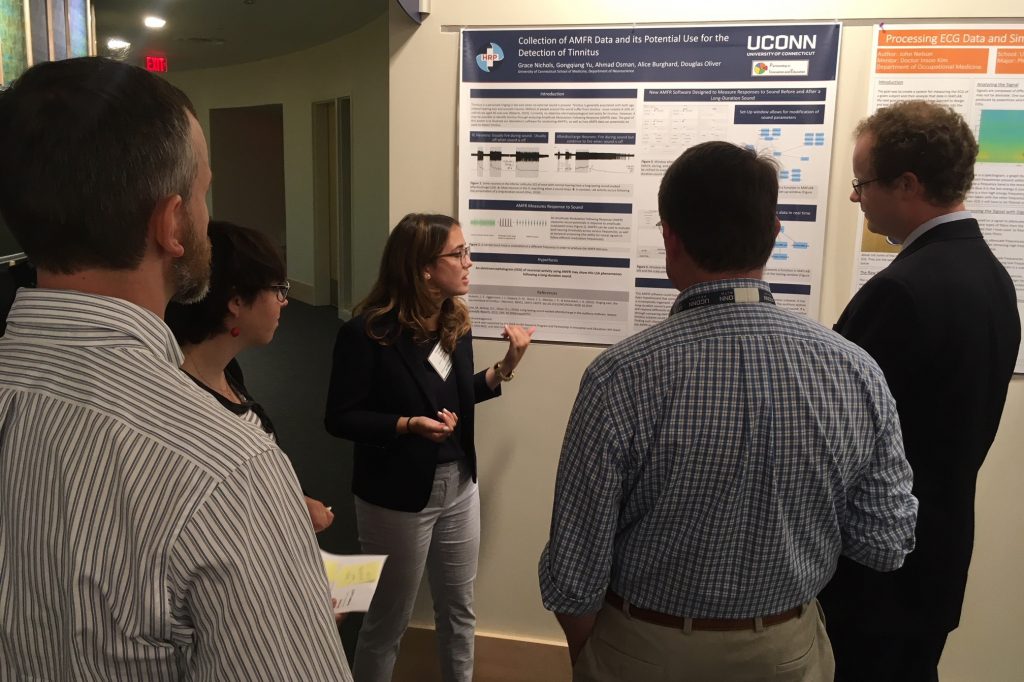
(154, 22)
(118, 44)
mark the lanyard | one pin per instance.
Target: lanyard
(733, 295)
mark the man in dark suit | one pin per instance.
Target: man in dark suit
(942, 322)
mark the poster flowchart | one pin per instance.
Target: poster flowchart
(564, 135)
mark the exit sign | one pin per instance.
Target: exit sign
(156, 64)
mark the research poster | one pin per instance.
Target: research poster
(564, 135)
(978, 70)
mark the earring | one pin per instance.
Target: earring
(427, 276)
(235, 331)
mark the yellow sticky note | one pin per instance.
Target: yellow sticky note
(353, 574)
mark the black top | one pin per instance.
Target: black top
(233, 373)
(372, 385)
(445, 394)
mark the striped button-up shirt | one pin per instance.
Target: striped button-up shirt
(145, 532)
(717, 464)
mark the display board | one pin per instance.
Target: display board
(978, 70)
(564, 135)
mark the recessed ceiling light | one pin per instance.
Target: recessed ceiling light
(154, 22)
(118, 44)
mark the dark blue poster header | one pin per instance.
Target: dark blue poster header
(759, 53)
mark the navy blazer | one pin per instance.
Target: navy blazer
(941, 321)
(372, 385)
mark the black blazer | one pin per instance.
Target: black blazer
(942, 322)
(372, 385)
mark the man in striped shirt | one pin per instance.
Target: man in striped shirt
(145, 533)
(717, 464)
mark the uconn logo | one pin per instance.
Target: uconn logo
(782, 42)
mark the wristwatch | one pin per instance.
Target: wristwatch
(501, 375)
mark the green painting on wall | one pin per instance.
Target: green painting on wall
(78, 18)
(12, 38)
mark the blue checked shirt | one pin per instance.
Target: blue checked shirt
(717, 464)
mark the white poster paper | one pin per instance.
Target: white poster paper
(564, 135)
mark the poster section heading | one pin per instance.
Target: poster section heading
(677, 54)
(735, 95)
(509, 137)
(953, 50)
(776, 288)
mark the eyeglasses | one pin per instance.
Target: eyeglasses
(281, 289)
(462, 253)
(857, 184)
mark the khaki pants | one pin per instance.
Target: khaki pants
(625, 649)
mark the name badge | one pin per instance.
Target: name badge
(441, 361)
(747, 294)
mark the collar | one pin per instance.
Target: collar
(720, 285)
(73, 318)
(934, 222)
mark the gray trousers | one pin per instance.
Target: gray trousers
(444, 538)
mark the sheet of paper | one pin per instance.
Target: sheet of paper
(353, 579)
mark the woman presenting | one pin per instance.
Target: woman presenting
(403, 390)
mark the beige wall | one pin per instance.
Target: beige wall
(354, 66)
(519, 436)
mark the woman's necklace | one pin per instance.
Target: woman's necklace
(230, 394)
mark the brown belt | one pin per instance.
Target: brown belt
(659, 618)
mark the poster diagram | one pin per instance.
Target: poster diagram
(564, 135)
(978, 70)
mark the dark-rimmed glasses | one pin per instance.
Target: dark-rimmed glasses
(281, 289)
(857, 184)
(462, 253)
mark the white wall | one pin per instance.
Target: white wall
(355, 66)
(519, 436)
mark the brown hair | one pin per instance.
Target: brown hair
(929, 140)
(720, 199)
(416, 241)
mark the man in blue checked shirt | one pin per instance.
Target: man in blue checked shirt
(716, 465)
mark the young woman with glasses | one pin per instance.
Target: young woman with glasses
(403, 390)
(248, 289)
